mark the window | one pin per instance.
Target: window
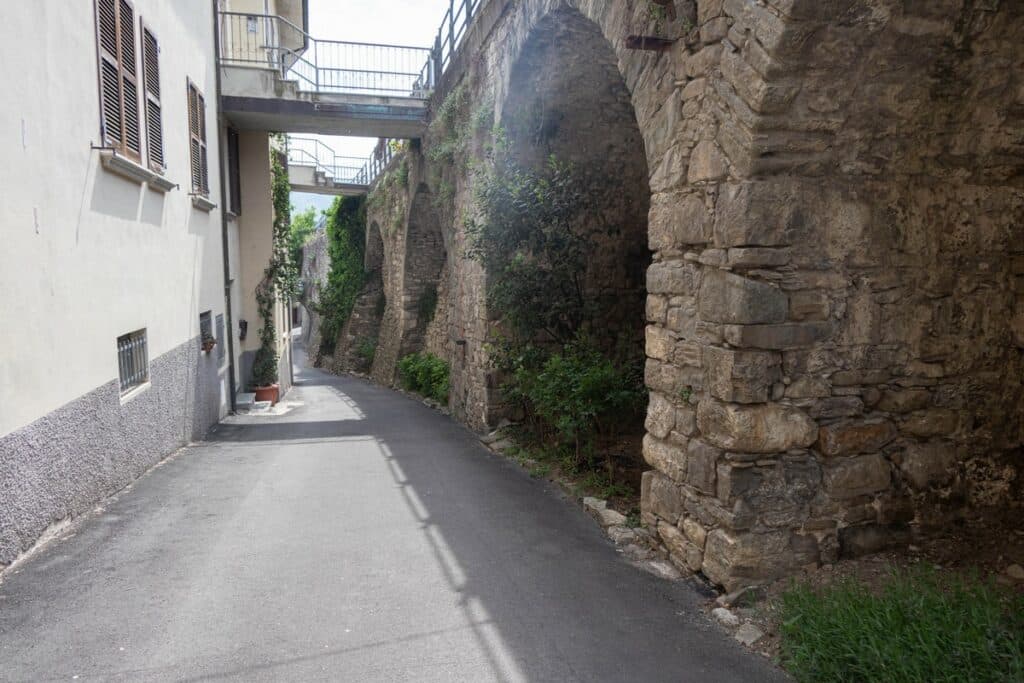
(197, 141)
(234, 177)
(118, 78)
(151, 100)
(132, 360)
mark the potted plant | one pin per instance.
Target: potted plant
(209, 341)
(264, 375)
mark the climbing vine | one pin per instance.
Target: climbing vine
(280, 278)
(346, 240)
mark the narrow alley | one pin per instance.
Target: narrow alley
(362, 536)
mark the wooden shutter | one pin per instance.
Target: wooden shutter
(118, 77)
(151, 88)
(197, 141)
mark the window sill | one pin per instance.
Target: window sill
(161, 184)
(135, 391)
(203, 203)
(126, 168)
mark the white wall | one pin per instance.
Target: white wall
(87, 255)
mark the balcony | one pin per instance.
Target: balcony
(275, 76)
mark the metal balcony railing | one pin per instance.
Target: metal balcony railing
(303, 151)
(325, 66)
(453, 29)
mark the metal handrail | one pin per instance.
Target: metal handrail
(336, 66)
(305, 151)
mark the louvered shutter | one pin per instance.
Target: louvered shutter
(110, 74)
(197, 141)
(119, 89)
(151, 87)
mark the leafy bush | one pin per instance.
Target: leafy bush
(578, 393)
(366, 350)
(302, 228)
(921, 628)
(426, 374)
(346, 239)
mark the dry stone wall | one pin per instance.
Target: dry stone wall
(835, 191)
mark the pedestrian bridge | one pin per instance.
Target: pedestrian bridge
(316, 168)
(275, 76)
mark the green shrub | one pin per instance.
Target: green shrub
(366, 350)
(578, 393)
(346, 236)
(920, 628)
(426, 374)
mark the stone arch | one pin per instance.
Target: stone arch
(565, 97)
(425, 258)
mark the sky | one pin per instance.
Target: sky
(394, 22)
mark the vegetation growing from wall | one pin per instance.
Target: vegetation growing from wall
(529, 237)
(280, 278)
(303, 225)
(920, 628)
(426, 374)
(346, 242)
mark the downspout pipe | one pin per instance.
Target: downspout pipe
(221, 149)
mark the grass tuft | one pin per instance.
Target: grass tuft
(920, 628)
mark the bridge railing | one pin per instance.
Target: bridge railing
(305, 151)
(453, 29)
(325, 66)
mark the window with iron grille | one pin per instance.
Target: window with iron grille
(197, 141)
(118, 78)
(132, 360)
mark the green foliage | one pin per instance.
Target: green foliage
(346, 240)
(448, 130)
(427, 305)
(303, 225)
(426, 374)
(280, 278)
(366, 350)
(577, 393)
(402, 174)
(534, 249)
(920, 629)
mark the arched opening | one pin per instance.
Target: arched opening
(424, 261)
(567, 125)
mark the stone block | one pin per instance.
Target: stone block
(661, 416)
(858, 476)
(733, 299)
(677, 220)
(667, 458)
(660, 496)
(768, 428)
(808, 387)
(847, 438)
(701, 466)
(656, 309)
(759, 214)
(740, 376)
(904, 400)
(928, 464)
(686, 421)
(779, 493)
(707, 162)
(928, 423)
(708, 10)
(736, 560)
(758, 257)
(670, 277)
(784, 336)
(694, 531)
(684, 554)
(808, 306)
(688, 353)
(659, 343)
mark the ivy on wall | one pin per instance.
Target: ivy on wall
(280, 278)
(346, 244)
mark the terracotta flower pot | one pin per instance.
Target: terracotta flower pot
(269, 393)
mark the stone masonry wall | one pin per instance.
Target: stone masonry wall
(835, 320)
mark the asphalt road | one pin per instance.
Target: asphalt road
(360, 537)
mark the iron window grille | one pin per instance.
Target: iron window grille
(132, 360)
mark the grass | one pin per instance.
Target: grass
(918, 628)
